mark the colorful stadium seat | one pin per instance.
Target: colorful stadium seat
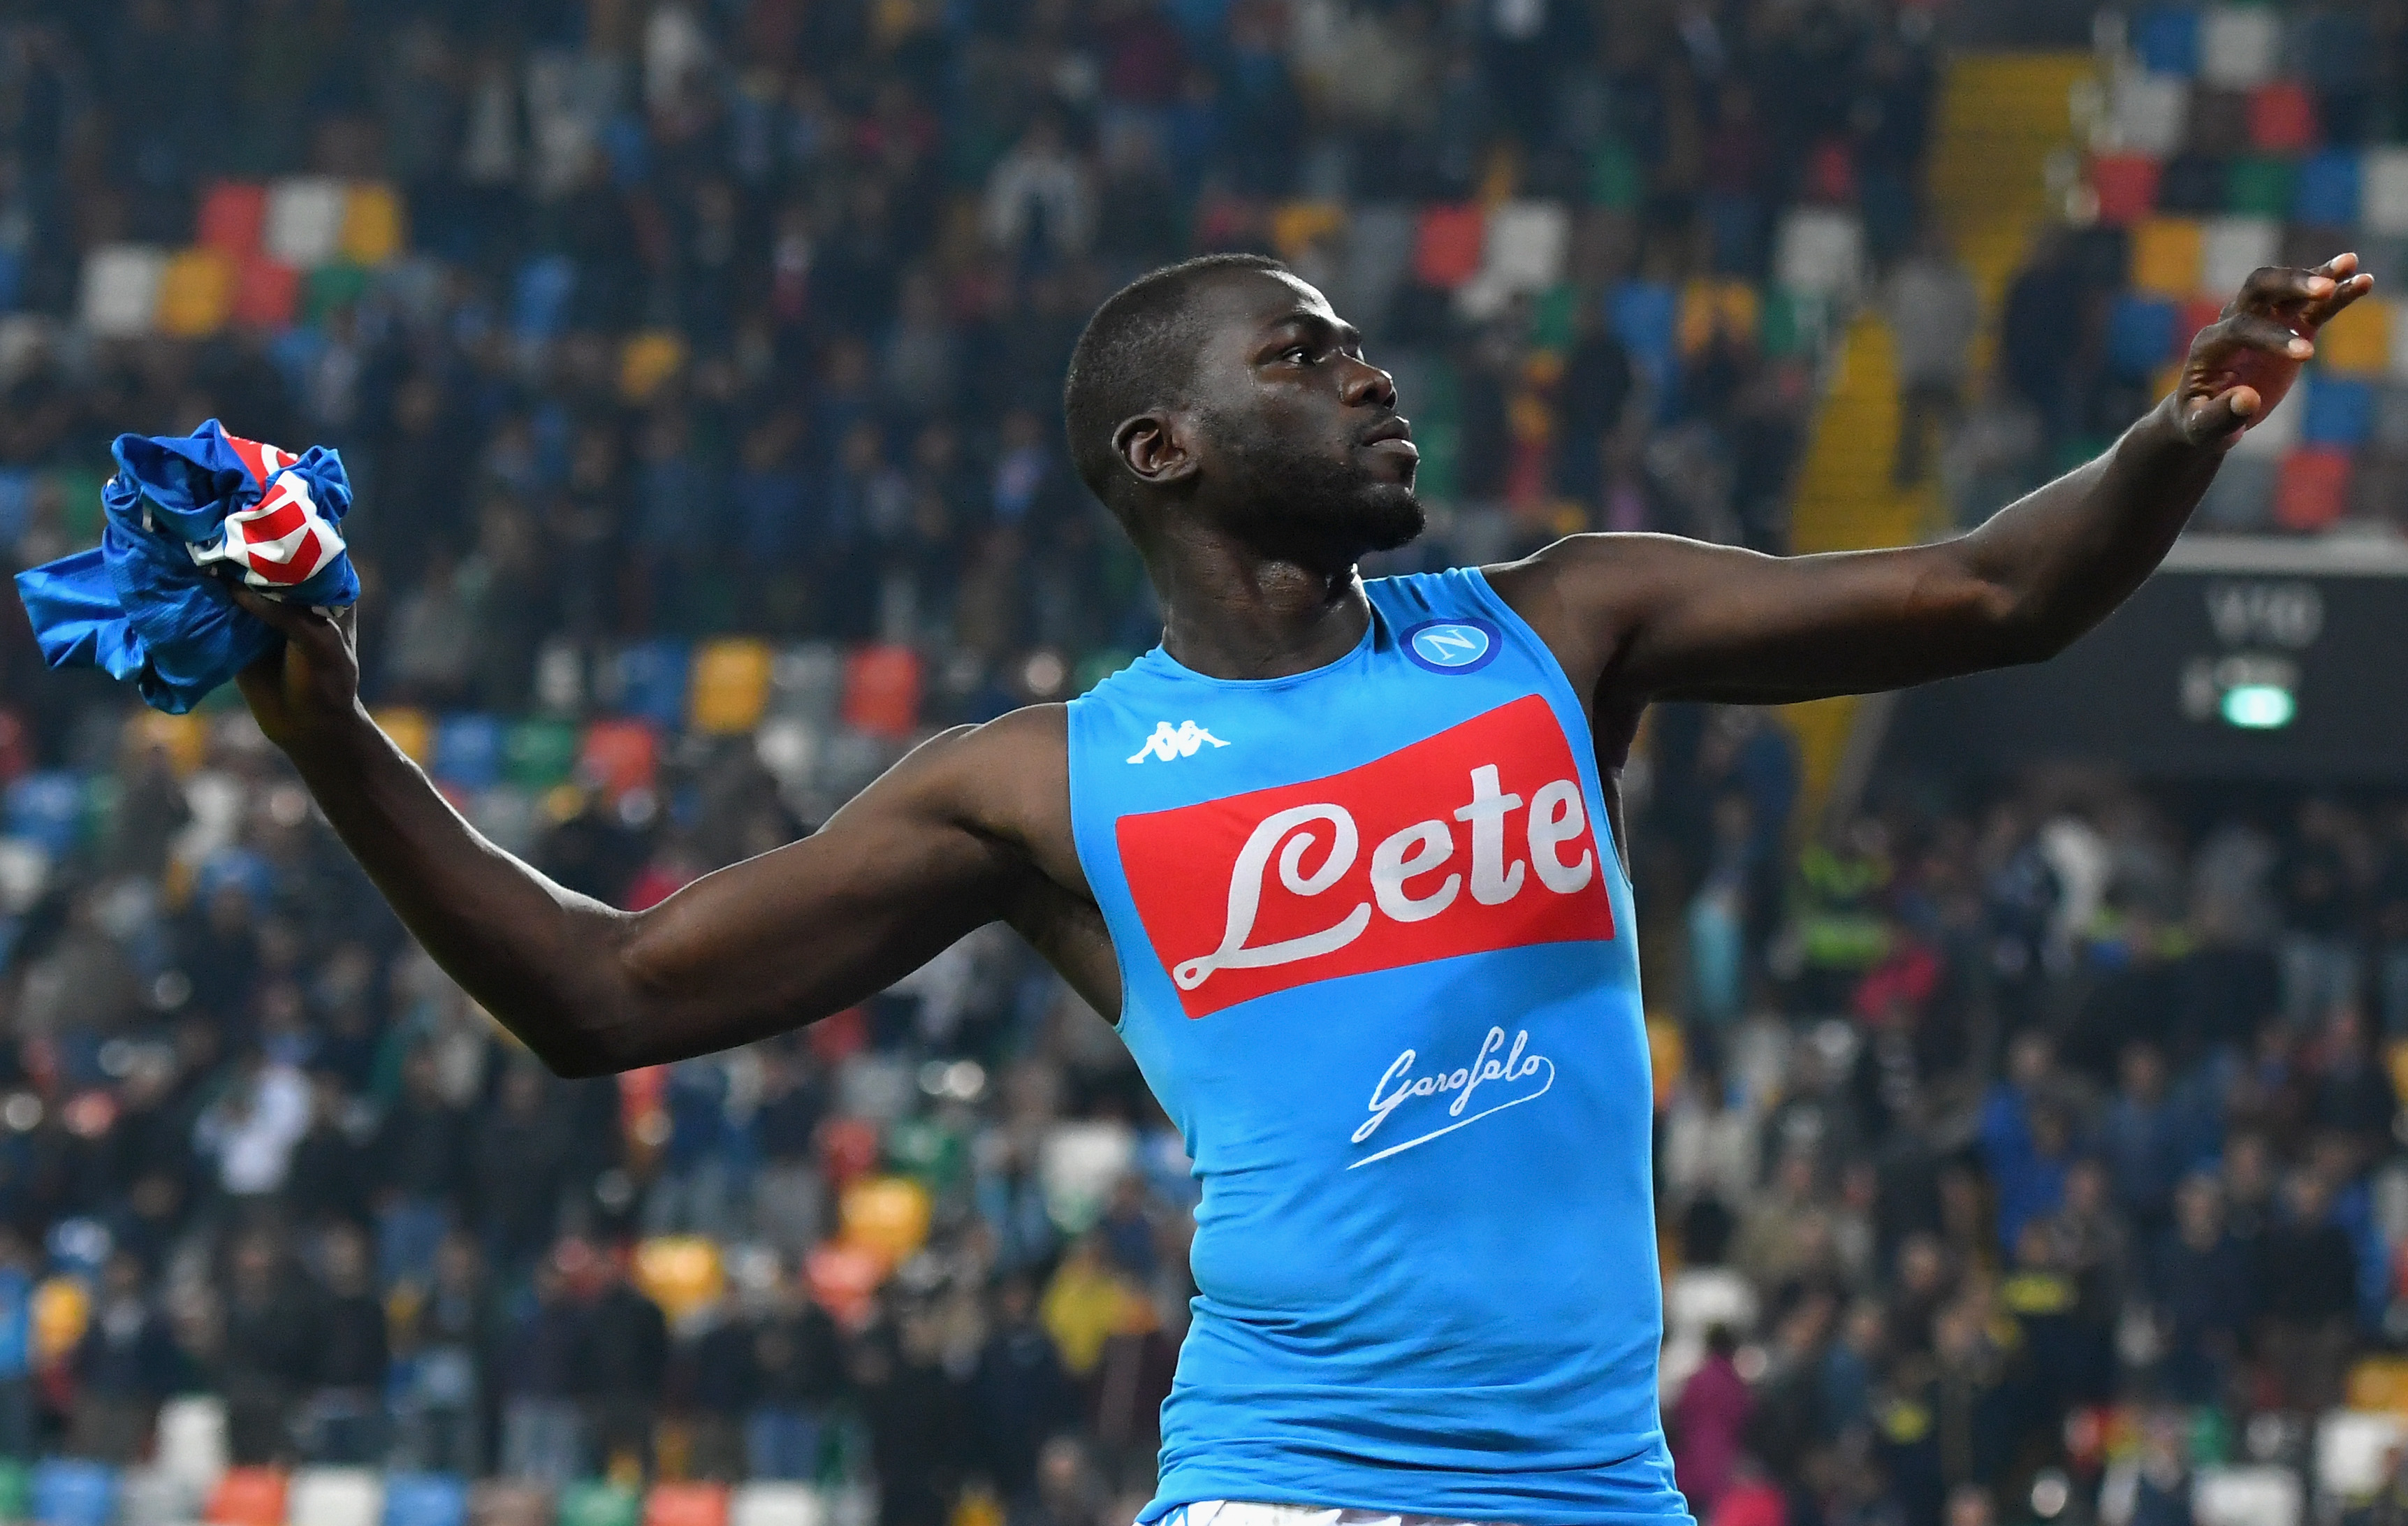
(196, 293)
(2140, 334)
(882, 691)
(71, 1492)
(686, 1504)
(2166, 40)
(468, 750)
(2240, 47)
(730, 688)
(1448, 243)
(2233, 247)
(777, 1505)
(267, 292)
(2167, 254)
(617, 755)
(121, 289)
(426, 1499)
(2336, 411)
(2313, 491)
(335, 1497)
(539, 754)
(2282, 118)
(233, 216)
(684, 1274)
(248, 1496)
(593, 1502)
(2127, 187)
(510, 1502)
(305, 220)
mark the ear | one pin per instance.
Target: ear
(1154, 448)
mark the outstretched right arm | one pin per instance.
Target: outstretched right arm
(923, 856)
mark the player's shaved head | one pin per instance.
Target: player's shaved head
(1139, 352)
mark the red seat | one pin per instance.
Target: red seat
(2283, 118)
(686, 1504)
(232, 214)
(882, 691)
(2126, 185)
(248, 1497)
(266, 293)
(2313, 492)
(1448, 245)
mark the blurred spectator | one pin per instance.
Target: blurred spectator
(126, 1363)
(1935, 311)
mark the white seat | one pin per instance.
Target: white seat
(335, 1497)
(2230, 247)
(121, 289)
(304, 226)
(1821, 250)
(807, 681)
(777, 1505)
(2262, 1495)
(2240, 46)
(152, 1496)
(2357, 1451)
(2383, 191)
(193, 1441)
(1526, 244)
(2148, 114)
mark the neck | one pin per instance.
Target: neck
(1230, 611)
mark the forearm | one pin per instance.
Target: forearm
(2062, 559)
(544, 960)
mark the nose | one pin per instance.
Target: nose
(1368, 386)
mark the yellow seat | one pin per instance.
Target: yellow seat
(2168, 256)
(372, 224)
(730, 686)
(2358, 342)
(195, 294)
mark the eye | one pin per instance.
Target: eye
(1300, 354)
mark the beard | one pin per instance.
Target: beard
(1315, 508)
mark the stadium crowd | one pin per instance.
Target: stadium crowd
(748, 317)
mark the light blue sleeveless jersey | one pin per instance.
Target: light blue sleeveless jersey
(1378, 962)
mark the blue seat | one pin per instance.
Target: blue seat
(71, 1492)
(469, 750)
(2166, 37)
(653, 682)
(2141, 334)
(2327, 191)
(426, 1499)
(2340, 412)
(48, 807)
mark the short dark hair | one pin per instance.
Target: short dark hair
(1138, 351)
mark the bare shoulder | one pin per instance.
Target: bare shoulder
(1008, 780)
(1584, 594)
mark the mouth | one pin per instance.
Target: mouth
(1393, 434)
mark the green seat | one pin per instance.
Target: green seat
(593, 1503)
(2259, 185)
(332, 286)
(537, 754)
(16, 1489)
(1554, 317)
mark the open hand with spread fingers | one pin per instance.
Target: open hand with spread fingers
(2241, 365)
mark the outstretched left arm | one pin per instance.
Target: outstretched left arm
(1668, 618)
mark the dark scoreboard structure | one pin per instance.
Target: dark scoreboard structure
(2243, 657)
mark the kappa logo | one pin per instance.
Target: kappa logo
(1169, 744)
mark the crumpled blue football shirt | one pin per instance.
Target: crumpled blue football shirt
(183, 513)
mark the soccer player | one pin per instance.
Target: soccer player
(1343, 861)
